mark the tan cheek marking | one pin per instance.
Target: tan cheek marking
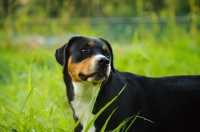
(90, 44)
(86, 66)
(73, 69)
(82, 67)
(104, 48)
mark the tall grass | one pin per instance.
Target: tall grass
(33, 95)
(30, 99)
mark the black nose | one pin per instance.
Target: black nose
(103, 61)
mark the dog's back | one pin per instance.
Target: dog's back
(171, 103)
(178, 103)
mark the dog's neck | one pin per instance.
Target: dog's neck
(82, 104)
(83, 91)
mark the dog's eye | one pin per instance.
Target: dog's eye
(107, 55)
(85, 50)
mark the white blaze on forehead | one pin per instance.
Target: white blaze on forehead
(83, 95)
(95, 61)
(98, 56)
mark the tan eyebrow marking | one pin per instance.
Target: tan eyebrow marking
(104, 48)
(90, 44)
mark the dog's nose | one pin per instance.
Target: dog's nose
(103, 61)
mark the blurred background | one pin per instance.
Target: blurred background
(149, 37)
(47, 22)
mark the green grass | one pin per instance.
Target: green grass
(30, 98)
(33, 95)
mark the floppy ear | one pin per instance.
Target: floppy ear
(61, 53)
(110, 49)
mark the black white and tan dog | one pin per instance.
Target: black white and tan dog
(171, 104)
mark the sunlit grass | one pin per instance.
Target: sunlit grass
(30, 98)
(33, 94)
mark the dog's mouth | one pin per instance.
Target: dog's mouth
(95, 77)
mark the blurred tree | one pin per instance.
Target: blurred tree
(182, 7)
(93, 8)
(44, 8)
(9, 8)
(153, 5)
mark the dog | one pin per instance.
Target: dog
(166, 104)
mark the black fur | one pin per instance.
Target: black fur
(171, 103)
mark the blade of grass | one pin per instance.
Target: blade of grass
(20, 114)
(95, 94)
(105, 124)
(2, 127)
(76, 124)
(128, 119)
(101, 110)
(96, 91)
(135, 117)
(50, 114)
(122, 124)
(145, 119)
(29, 76)
(58, 97)
(10, 110)
(92, 101)
(26, 100)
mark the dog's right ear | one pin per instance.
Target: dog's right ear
(61, 54)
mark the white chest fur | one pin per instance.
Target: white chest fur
(82, 104)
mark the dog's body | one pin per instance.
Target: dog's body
(170, 104)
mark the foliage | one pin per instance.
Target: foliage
(93, 8)
(33, 95)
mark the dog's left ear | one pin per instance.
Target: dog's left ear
(110, 49)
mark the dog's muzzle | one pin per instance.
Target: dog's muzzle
(100, 72)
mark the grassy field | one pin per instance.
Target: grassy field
(33, 95)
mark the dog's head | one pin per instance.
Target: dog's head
(86, 59)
